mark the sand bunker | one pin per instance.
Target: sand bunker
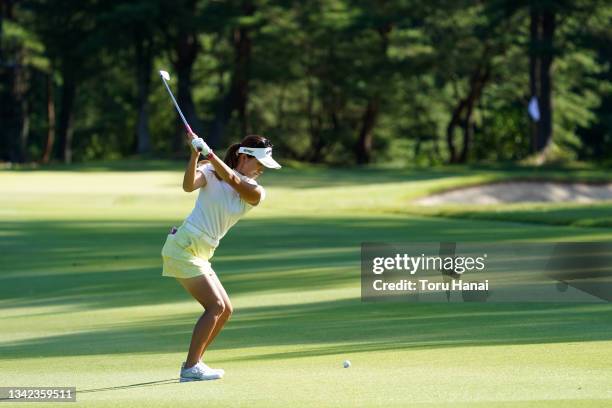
(521, 192)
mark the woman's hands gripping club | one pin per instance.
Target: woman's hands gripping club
(198, 144)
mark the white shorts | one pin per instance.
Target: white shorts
(186, 255)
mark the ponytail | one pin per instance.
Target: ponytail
(231, 156)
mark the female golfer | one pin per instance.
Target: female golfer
(228, 190)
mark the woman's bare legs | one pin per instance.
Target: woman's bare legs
(227, 312)
(204, 290)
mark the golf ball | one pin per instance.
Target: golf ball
(347, 364)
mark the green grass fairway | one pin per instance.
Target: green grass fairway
(83, 302)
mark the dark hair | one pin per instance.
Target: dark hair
(232, 156)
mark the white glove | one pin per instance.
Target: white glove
(200, 145)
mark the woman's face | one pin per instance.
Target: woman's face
(250, 166)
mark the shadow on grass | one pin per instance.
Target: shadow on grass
(130, 386)
(96, 264)
(339, 327)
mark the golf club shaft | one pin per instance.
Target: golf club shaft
(177, 107)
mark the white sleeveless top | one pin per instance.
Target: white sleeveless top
(218, 206)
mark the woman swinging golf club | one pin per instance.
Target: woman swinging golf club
(228, 190)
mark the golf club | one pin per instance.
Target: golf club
(165, 78)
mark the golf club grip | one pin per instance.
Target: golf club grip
(189, 131)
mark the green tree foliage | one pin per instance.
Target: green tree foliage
(22, 62)
(332, 81)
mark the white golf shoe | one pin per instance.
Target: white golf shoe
(218, 370)
(199, 372)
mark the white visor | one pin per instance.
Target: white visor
(263, 154)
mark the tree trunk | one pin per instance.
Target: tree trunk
(144, 64)
(50, 120)
(21, 126)
(237, 97)
(450, 131)
(25, 130)
(66, 116)
(542, 31)
(6, 107)
(370, 114)
(534, 64)
(462, 114)
(217, 127)
(477, 84)
(242, 44)
(187, 49)
(468, 135)
(368, 120)
(314, 155)
(545, 133)
(314, 121)
(13, 99)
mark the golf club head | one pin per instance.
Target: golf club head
(165, 75)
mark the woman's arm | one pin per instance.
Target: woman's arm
(248, 192)
(192, 180)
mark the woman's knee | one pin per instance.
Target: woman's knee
(216, 307)
(229, 309)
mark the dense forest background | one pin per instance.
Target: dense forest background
(332, 81)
